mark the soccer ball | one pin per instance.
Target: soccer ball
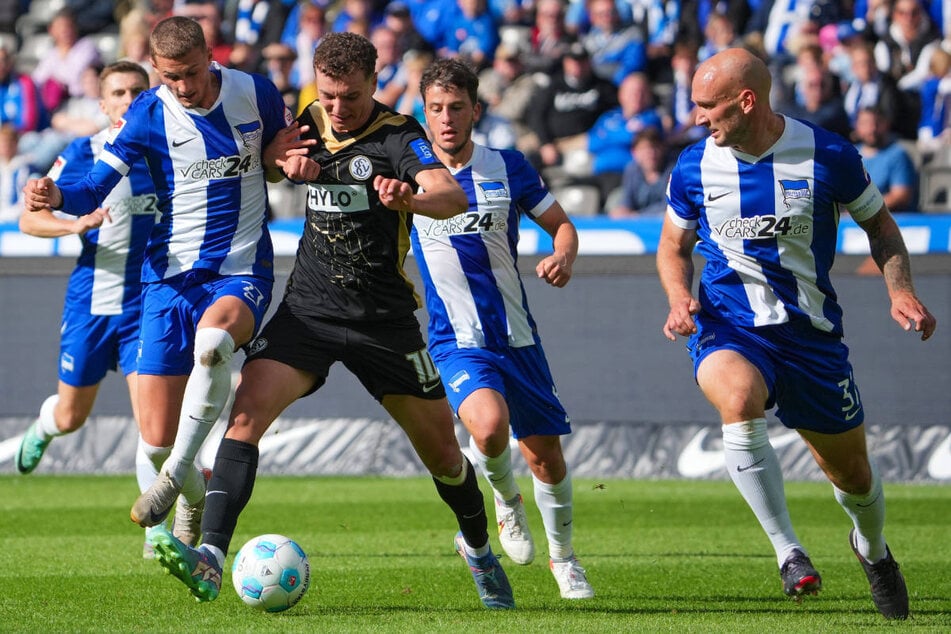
(271, 573)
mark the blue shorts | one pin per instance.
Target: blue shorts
(171, 310)
(807, 371)
(520, 375)
(92, 345)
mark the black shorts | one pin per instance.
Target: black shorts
(387, 357)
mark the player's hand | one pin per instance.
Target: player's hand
(910, 313)
(286, 143)
(394, 193)
(554, 269)
(680, 318)
(300, 168)
(91, 221)
(41, 193)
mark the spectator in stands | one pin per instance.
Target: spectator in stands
(680, 121)
(910, 30)
(566, 107)
(208, 15)
(411, 101)
(616, 49)
(390, 73)
(134, 30)
(872, 87)
(934, 128)
(695, 15)
(470, 34)
(157, 10)
(888, 163)
(611, 137)
(644, 184)
(279, 64)
(397, 18)
(777, 23)
(81, 114)
(15, 170)
(507, 91)
(20, 101)
(816, 102)
(719, 35)
(303, 36)
(93, 16)
(59, 72)
(549, 38)
(357, 16)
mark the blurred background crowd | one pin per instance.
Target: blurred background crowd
(595, 92)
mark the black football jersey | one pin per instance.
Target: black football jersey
(350, 259)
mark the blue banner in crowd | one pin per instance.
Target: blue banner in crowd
(924, 233)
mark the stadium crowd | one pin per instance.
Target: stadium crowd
(571, 83)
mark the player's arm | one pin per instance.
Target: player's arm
(890, 254)
(45, 224)
(440, 195)
(556, 268)
(286, 155)
(675, 268)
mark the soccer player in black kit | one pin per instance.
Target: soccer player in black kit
(348, 299)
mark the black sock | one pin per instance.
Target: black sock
(467, 503)
(232, 480)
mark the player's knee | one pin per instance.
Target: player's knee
(214, 347)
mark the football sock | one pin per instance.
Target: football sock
(497, 470)
(215, 552)
(206, 393)
(193, 488)
(754, 468)
(462, 495)
(554, 502)
(145, 467)
(867, 512)
(46, 423)
(232, 481)
(154, 458)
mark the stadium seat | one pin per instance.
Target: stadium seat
(32, 49)
(578, 200)
(108, 46)
(935, 196)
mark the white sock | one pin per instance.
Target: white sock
(754, 468)
(46, 423)
(207, 391)
(868, 516)
(498, 471)
(152, 458)
(193, 486)
(554, 501)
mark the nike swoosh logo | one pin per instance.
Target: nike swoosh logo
(740, 469)
(711, 198)
(865, 506)
(939, 465)
(430, 387)
(181, 143)
(853, 414)
(568, 523)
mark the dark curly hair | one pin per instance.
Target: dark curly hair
(340, 54)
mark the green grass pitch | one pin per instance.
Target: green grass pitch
(663, 556)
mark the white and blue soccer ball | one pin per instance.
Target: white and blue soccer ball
(271, 573)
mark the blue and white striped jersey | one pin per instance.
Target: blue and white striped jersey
(106, 280)
(208, 176)
(468, 263)
(767, 225)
